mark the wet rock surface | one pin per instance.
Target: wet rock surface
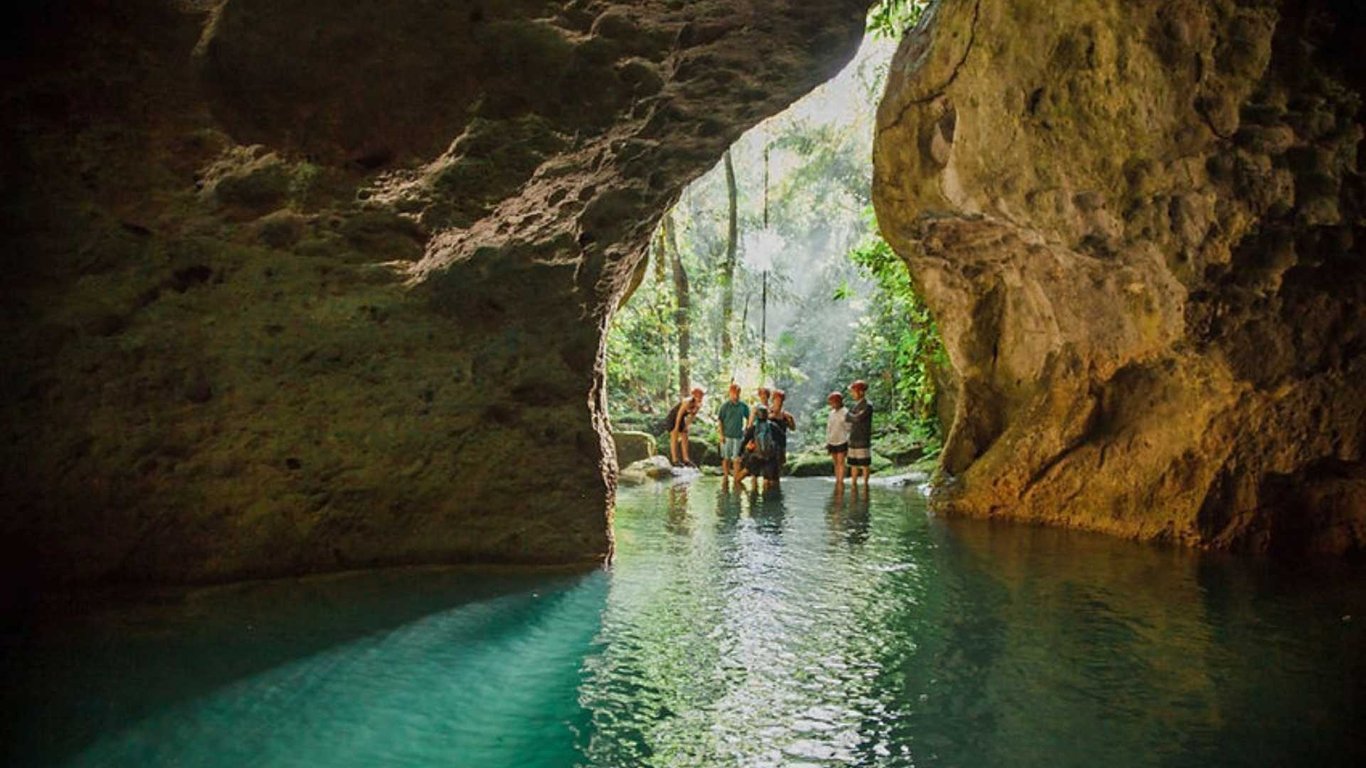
(310, 286)
(1139, 227)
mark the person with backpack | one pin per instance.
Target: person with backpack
(780, 423)
(758, 442)
(679, 419)
(763, 395)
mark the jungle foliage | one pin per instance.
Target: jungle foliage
(893, 18)
(840, 304)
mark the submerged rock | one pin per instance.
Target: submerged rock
(901, 480)
(652, 468)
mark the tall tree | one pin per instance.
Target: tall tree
(728, 276)
(681, 312)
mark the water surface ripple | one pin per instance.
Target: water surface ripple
(802, 628)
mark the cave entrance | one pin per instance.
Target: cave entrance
(769, 271)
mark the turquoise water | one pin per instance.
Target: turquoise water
(798, 629)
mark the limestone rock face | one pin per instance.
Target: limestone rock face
(314, 285)
(1139, 228)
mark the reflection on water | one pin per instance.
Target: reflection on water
(802, 627)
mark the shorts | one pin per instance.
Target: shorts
(755, 465)
(773, 468)
(730, 448)
(834, 449)
(861, 457)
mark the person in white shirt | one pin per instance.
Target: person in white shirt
(837, 435)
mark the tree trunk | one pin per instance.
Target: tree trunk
(728, 276)
(681, 319)
(662, 314)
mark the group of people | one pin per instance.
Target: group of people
(849, 434)
(753, 441)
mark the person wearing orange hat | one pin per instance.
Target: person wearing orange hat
(860, 420)
(837, 435)
(763, 395)
(781, 422)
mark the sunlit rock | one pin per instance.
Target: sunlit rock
(652, 468)
(1137, 225)
(632, 446)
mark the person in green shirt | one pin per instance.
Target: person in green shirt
(730, 429)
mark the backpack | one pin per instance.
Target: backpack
(763, 439)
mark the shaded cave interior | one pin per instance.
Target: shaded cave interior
(265, 316)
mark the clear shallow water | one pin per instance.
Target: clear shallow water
(803, 629)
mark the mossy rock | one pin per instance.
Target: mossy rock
(810, 465)
(711, 457)
(632, 447)
(880, 463)
(822, 465)
(700, 451)
(900, 447)
(249, 181)
(385, 233)
(281, 229)
(636, 422)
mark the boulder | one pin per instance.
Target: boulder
(652, 468)
(632, 447)
(700, 451)
(822, 465)
(810, 465)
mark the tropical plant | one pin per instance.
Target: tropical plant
(898, 340)
(893, 18)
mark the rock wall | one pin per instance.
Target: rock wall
(1139, 227)
(316, 285)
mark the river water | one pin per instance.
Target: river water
(798, 629)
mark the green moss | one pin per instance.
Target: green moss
(302, 181)
(262, 187)
(810, 465)
(492, 159)
(384, 234)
